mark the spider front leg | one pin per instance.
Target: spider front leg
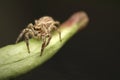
(45, 43)
(27, 41)
(49, 38)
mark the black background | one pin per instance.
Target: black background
(92, 54)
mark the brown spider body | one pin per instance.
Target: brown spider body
(40, 30)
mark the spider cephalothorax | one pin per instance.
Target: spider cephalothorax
(40, 30)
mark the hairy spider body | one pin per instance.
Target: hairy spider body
(40, 30)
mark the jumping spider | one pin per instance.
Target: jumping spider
(40, 30)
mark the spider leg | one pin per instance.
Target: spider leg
(43, 45)
(20, 36)
(58, 32)
(49, 38)
(30, 26)
(27, 41)
(57, 22)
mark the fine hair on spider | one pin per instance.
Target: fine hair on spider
(41, 29)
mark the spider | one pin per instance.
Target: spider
(40, 30)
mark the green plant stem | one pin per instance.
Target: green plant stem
(15, 60)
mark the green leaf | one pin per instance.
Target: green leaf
(15, 60)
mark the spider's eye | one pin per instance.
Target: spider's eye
(36, 29)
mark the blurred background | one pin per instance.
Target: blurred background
(92, 54)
